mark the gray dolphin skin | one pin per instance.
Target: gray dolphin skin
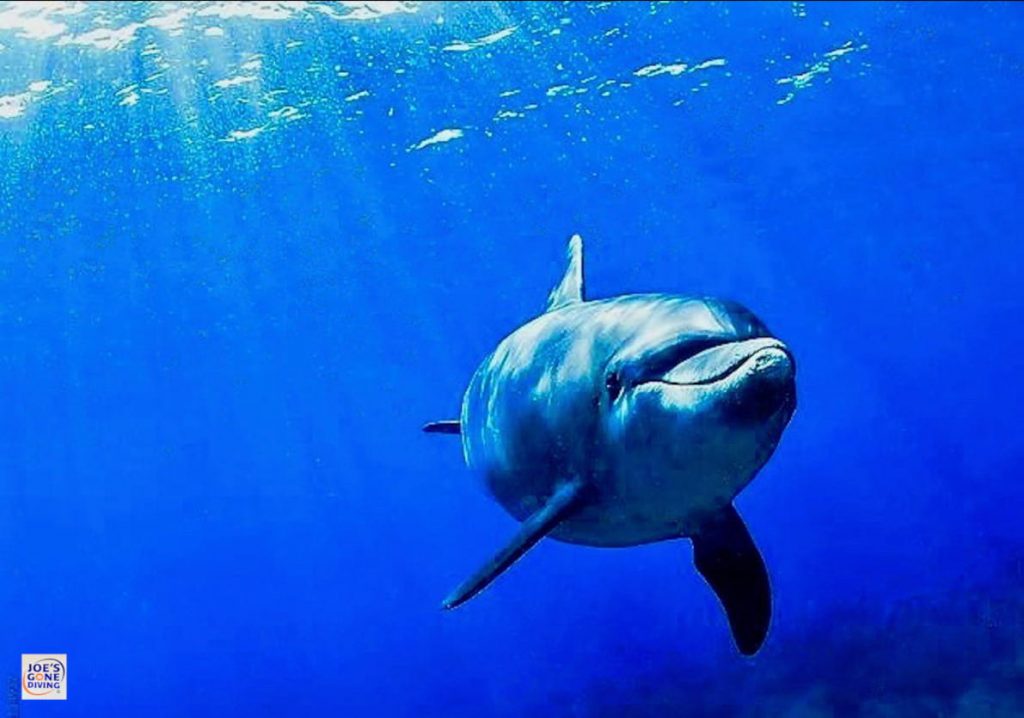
(629, 420)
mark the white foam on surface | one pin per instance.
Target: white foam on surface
(235, 81)
(15, 105)
(802, 80)
(466, 46)
(445, 135)
(12, 106)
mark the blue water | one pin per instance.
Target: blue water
(247, 250)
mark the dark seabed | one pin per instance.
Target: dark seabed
(247, 249)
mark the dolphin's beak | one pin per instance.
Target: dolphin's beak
(766, 357)
(754, 379)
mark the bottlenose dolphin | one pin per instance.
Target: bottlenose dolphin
(629, 420)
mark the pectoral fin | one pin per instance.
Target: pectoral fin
(449, 426)
(562, 502)
(729, 561)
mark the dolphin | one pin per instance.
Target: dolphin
(624, 421)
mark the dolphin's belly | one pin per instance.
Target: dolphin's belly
(632, 496)
(605, 523)
(617, 511)
(521, 467)
(616, 528)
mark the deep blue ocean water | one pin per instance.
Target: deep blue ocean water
(247, 249)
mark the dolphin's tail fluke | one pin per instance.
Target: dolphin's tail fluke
(449, 426)
(562, 502)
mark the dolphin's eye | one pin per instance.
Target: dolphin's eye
(613, 384)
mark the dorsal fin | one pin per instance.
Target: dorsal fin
(570, 289)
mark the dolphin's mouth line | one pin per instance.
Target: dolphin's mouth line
(724, 372)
